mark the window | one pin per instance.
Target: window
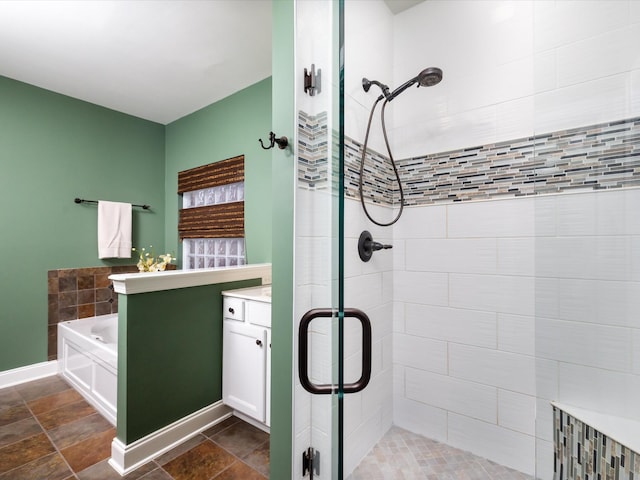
(211, 223)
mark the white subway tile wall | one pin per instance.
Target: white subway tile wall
(532, 297)
(542, 313)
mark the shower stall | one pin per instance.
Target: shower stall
(505, 319)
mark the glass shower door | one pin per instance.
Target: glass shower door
(317, 297)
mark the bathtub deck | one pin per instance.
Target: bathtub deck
(47, 430)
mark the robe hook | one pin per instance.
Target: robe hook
(282, 142)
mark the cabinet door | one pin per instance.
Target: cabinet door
(244, 354)
(268, 380)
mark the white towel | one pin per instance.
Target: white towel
(114, 230)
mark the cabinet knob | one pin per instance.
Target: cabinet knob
(231, 311)
(259, 343)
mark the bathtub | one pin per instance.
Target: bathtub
(88, 360)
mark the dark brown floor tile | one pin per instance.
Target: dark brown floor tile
(259, 459)
(41, 388)
(103, 471)
(16, 431)
(8, 397)
(51, 467)
(78, 431)
(157, 474)
(200, 463)
(240, 471)
(13, 414)
(241, 438)
(24, 451)
(92, 450)
(65, 414)
(51, 402)
(217, 428)
(180, 449)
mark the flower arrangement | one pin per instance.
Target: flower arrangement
(148, 262)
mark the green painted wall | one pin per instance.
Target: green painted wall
(170, 356)
(284, 174)
(52, 149)
(223, 130)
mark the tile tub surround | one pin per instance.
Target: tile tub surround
(581, 452)
(80, 293)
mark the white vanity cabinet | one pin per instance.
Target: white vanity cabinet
(246, 351)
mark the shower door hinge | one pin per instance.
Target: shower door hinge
(312, 81)
(310, 462)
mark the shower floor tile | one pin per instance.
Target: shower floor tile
(402, 455)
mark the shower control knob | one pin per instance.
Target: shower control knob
(366, 246)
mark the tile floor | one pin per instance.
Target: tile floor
(402, 455)
(49, 432)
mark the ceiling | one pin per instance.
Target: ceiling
(155, 59)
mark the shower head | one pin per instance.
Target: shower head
(366, 85)
(429, 77)
(426, 78)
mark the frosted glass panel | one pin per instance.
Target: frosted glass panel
(212, 252)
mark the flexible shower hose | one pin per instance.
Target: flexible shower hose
(393, 164)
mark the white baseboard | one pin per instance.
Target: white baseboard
(8, 378)
(252, 421)
(126, 458)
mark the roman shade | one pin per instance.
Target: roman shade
(224, 220)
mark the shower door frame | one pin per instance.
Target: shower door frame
(325, 415)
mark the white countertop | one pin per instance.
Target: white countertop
(259, 294)
(130, 283)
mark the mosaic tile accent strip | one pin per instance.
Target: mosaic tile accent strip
(401, 454)
(79, 293)
(596, 157)
(379, 183)
(312, 150)
(583, 453)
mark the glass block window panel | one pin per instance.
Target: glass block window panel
(212, 252)
(234, 192)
